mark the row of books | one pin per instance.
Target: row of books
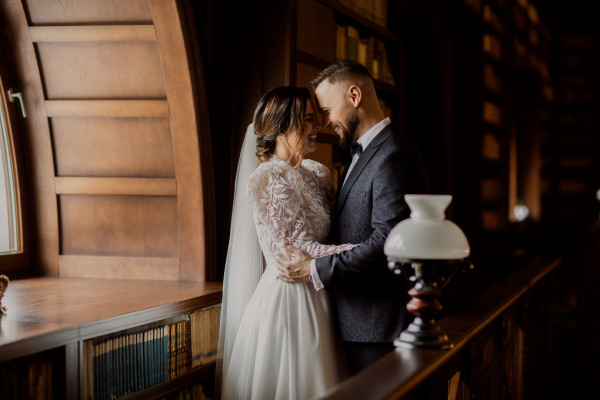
(27, 378)
(375, 10)
(368, 51)
(205, 335)
(127, 363)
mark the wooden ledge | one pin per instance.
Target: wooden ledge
(44, 313)
(403, 370)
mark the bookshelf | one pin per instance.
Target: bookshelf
(478, 94)
(516, 106)
(494, 141)
(531, 100)
(52, 322)
(570, 168)
(327, 30)
(37, 376)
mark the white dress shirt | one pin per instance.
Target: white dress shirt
(364, 140)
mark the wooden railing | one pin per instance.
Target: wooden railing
(500, 348)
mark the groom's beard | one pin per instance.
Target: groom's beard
(348, 128)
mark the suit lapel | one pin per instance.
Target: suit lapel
(362, 162)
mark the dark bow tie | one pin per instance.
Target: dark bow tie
(356, 149)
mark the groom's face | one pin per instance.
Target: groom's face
(338, 111)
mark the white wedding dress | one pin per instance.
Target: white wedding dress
(285, 346)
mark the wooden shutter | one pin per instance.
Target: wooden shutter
(117, 136)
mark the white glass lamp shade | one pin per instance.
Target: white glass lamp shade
(427, 234)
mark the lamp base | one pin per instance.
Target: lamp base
(421, 334)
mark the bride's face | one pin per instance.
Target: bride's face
(309, 129)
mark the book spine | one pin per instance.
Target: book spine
(178, 358)
(340, 42)
(165, 353)
(352, 39)
(188, 346)
(362, 52)
(171, 354)
(145, 360)
(139, 361)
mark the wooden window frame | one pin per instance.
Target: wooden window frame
(18, 262)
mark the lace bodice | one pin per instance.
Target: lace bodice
(292, 206)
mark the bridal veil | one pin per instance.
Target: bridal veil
(244, 263)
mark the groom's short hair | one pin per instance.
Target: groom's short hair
(348, 70)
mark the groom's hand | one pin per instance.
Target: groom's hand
(295, 270)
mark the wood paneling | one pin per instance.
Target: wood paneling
(93, 33)
(119, 135)
(184, 119)
(135, 226)
(113, 147)
(87, 11)
(116, 186)
(149, 268)
(104, 70)
(107, 108)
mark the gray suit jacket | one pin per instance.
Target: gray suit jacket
(368, 299)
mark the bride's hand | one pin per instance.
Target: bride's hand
(297, 268)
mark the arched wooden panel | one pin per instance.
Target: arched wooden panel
(118, 138)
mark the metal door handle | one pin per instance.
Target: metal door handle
(11, 98)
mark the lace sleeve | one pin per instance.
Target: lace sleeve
(317, 250)
(279, 213)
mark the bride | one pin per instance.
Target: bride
(276, 339)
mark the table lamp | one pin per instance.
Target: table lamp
(426, 240)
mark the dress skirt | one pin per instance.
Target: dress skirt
(285, 347)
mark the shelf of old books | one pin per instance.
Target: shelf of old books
(165, 353)
(494, 145)
(353, 29)
(569, 165)
(329, 30)
(368, 14)
(75, 338)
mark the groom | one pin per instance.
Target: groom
(369, 301)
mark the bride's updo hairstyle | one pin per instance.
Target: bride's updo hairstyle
(280, 110)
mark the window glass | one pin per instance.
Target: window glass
(8, 217)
